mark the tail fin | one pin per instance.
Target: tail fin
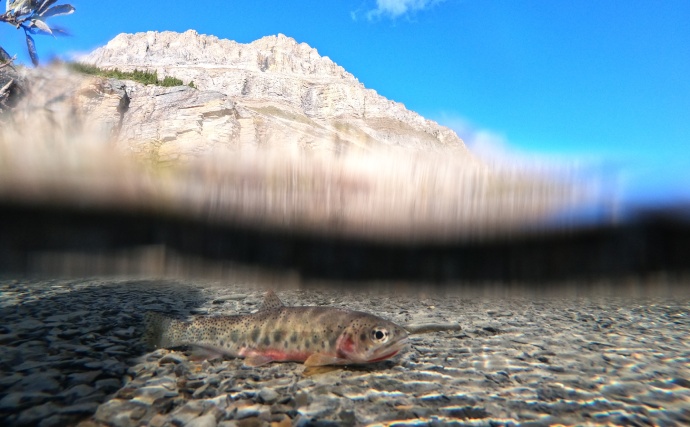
(156, 329)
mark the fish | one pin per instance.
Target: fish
(314, 335)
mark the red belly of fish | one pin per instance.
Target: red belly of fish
(285, 356)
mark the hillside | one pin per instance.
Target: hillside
(271, 92)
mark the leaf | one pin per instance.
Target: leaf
(41, 25)
(22, 7)
(44, 6)
(31, 45)
(61, 9)
(59, 31)
(35, 30)
(4, 56)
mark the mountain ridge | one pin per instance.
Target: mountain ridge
(277, 85)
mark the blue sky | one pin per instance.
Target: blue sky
(604, 82)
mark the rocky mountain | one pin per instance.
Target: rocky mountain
(271, 92)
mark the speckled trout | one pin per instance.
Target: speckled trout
(317, 336)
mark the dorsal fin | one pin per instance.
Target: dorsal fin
(271, 302)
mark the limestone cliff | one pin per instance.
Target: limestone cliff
(273, 91)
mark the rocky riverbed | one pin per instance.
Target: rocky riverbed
(70, 354)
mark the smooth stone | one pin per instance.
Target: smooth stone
(248, 412)
(8, 338)
(83, 377)
(302, 399)
(114, 367)
(348, 417)
(204, 391)
(69, 333)
(109, 385)
(150, 394)
(208, 420)
(115, 349)
(236, 297)
(96, 397)
(321, 408)
(11, 356)
(37, 413)
(59, 318)
(120, 413)
(7, 381)
(77, 392)
(280, 408)
(622, 390)
(124, 333)
(188, 412)
(27, 325)
(158, 420)
(683, 382)
(268, 396)
(422, 328)
(167, 383)
(14, 400)
(80, 408)
(57, 420)
(29, 365)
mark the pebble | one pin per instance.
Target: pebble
(188, 412)
(57, 420)
(26, 326)
(268, 396)
(77, 392)
(150, 394)
(30, 365)
(37, 413)
(423, 328)
(80, 409)
(40, 382)
(108, 385)
(10, 380)
(120, 413)
(8, 338)
(17, 400)
(208, 420)
(83, 377)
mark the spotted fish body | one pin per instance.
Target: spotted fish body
(314, 335)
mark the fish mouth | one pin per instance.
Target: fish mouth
(392, 351)
(384, 357)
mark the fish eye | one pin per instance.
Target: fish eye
(379, 334)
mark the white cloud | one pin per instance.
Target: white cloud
(599, 183)
(495, 148)
(396, 8)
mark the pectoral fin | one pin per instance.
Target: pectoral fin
(257, 360)
(311, 371)
(320, 359)
(199, 353)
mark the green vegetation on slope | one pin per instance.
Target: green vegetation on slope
(144, 77)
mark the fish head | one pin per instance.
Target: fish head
(369, 338)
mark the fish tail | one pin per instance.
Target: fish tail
(157, 329)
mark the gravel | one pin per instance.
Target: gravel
(70, 355)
